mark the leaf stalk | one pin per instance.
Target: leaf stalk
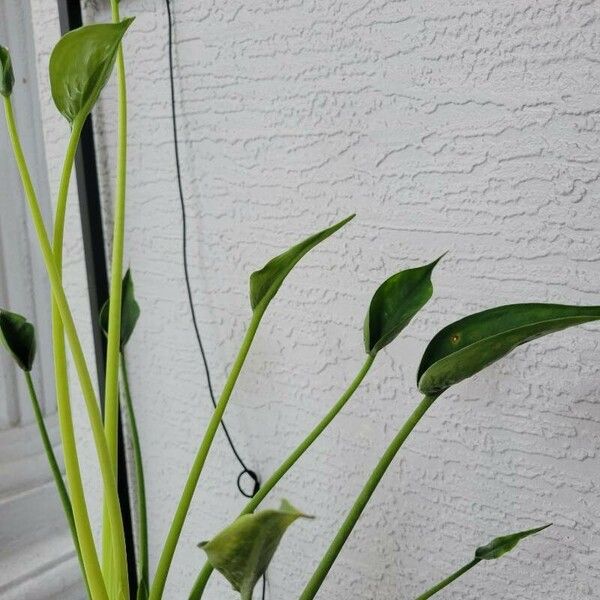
(287, 464)
(108, 477)
(168, 550)
(311, 589)
(446, 582)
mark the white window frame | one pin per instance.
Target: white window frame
(37, 559)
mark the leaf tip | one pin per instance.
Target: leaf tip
(17, 335)
(7, 76)
(343, 222)
(439, 258)
(126, 23)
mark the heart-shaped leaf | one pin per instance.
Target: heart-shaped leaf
(396, 301)
(7, 76)
(81, 64)
(501, 545)
(18, 337)
(265, 283)
(242, 552)
(471, 344)
(130, 310)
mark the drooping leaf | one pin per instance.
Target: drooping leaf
(501, 545)
(7, 76)
(130, 310)
(242, 552)
(18, 337)
(469, 345)
(265, 283)
(395, 303)
(80, 66)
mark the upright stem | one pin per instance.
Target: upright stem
(111, 388)
(61, 381)
(142, 521)
(111, 556)
(442, 584)
(56, 474)
(286, 465)
(108, 476)
(111, 395)
(86, 541)
(311, 589)
(166, 556)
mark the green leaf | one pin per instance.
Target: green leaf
(242, 552)
(501, 545)
(81, 64)
(7, 76)
(18, 337)
(395, 303)
(467, 346)
(265, 283)
(130, 310)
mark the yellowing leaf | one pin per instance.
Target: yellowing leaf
(242, 552)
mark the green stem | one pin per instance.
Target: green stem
(286, 465)
(142, 521)
(108, 477)
(168, 550)
(110, 555)
(61, 380)
(311, 589)
(58, 479)
(442, 584)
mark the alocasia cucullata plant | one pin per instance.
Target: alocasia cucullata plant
(80, 66)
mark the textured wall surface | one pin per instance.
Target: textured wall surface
(468, 126)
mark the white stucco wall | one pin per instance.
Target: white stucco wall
(464, 126)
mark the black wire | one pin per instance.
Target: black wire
(245, 470)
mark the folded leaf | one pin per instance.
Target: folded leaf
(130, 310)
(265, 283)
(7, 76)
(395, 303)
(80, 66)
(501, 545)
(467, 346)
(242, 552)
(18, 337)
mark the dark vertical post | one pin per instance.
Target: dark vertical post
(95, 261)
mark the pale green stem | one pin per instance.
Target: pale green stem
(168, 550)
(142, 520)
(61, 380)
(108, 476)
(442, 584)
(286, 465)
(82, 523)
(110, 556)
(311, 589)
(56, 474)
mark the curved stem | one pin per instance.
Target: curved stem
(56, 474)
(168, 550)
(311, 589)
(142, 520)
(110, 555)
(61, 381)
(442, 584)
(286, 465)
(87, 388)
(88, 549)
